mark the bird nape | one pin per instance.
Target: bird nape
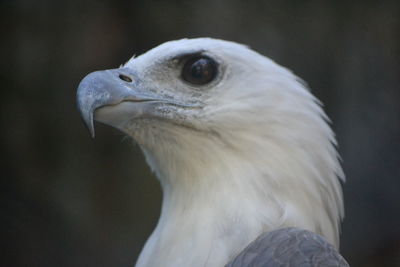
(243, 151)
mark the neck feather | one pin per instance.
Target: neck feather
(217, 194)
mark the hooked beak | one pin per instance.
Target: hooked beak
(108, 88)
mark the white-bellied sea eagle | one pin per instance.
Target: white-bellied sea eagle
(243, 151)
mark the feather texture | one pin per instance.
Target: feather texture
(248, 153)
(289, 247)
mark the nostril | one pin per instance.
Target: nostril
(125, 78)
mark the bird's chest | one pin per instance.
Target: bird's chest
(201, 241)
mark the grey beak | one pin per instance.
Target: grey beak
(107, 88)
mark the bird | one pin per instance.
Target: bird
(243, 151)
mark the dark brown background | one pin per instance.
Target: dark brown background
(67, 200)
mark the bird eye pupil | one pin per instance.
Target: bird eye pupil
(199, 70)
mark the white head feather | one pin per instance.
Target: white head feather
(256, 155)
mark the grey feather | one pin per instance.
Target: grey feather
(289, 247)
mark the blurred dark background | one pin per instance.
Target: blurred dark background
(67, 200)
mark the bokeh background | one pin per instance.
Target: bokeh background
(67, 200)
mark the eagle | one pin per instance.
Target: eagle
(243, 151)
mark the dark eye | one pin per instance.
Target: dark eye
(199, 70)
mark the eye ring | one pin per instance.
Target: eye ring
(199, 70)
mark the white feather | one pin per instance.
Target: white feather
(260, 156)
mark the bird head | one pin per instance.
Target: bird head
(198, 84)
(215, 114)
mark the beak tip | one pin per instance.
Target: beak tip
(91, 131)
(85, 106)
(88, 121)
